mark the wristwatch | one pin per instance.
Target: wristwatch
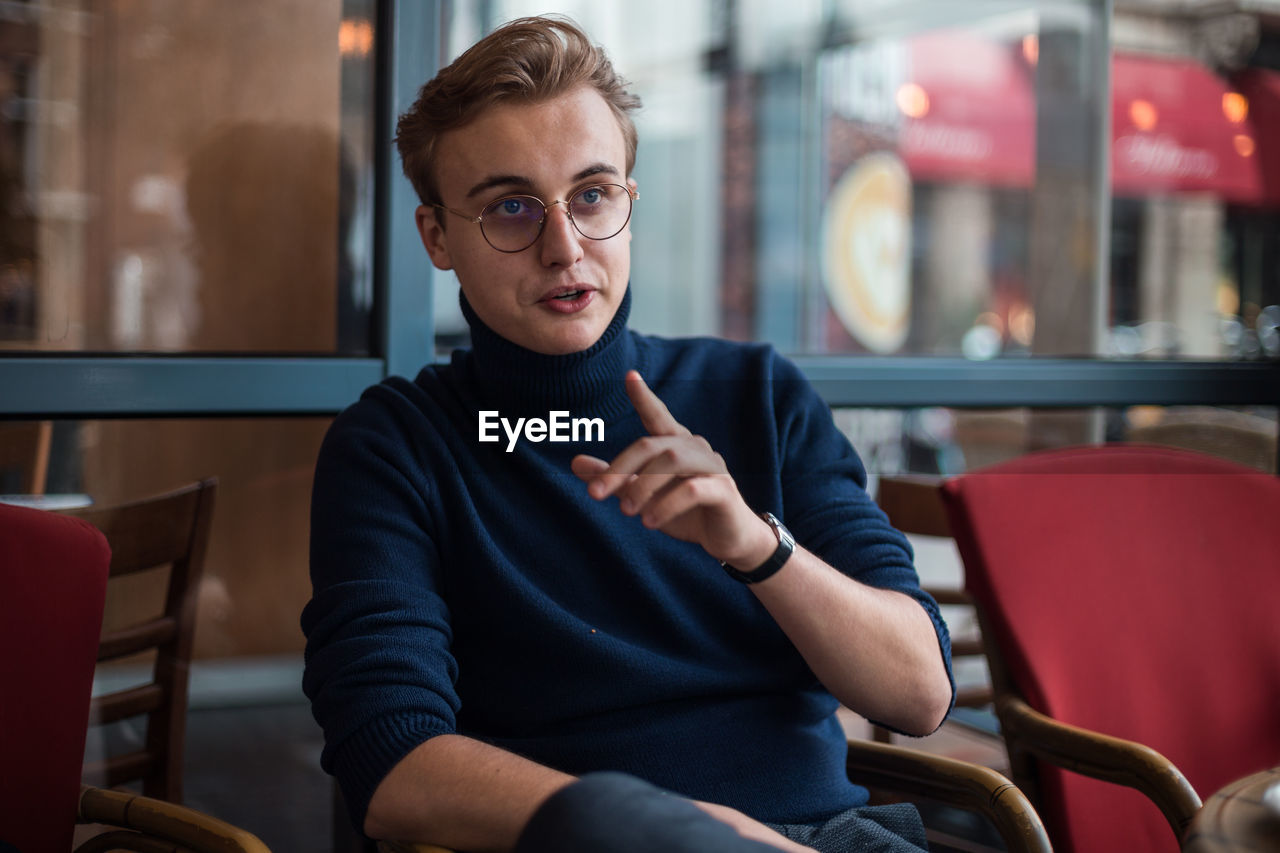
(767, 569)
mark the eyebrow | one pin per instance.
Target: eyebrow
(521, 182)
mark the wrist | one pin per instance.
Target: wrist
(785, 545)
(757, 545)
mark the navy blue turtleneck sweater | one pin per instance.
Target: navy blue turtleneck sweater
(459, 587)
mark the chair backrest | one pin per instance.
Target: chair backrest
(24, 451)
(167, 530)
(53, 578)
(1131, 590)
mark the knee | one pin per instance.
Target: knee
(613, 812)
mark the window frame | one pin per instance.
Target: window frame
(118, 385)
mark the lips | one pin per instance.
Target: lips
(569, 299)
(566, 293)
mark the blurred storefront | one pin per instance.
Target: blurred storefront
(1186, 171)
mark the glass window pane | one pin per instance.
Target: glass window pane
(857, 177)
(255, 579)
(927, 178)
(187, 176)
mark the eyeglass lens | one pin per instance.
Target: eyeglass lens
(514, 222)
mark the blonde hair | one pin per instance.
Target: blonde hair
(526, 60)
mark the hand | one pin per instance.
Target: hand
(751, 829)
(678, 484)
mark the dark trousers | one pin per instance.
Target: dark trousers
(617, 813)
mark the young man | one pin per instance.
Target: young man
(504, 602)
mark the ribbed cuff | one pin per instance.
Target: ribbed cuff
(365, 758)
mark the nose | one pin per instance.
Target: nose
(561, 243)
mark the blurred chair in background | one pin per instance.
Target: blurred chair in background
(1239, 437)
(53, 571)
(24, 456)
(1131, 591)
(167, 530)
(988, 436)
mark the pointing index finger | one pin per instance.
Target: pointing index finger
(654, 414)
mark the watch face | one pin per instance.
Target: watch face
(784, 535)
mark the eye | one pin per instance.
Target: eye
(514, 207)
(592, 196)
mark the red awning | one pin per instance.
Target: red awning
(1176, 126)
(1261, 89)
(973, 117)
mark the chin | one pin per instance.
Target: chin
(568, 341)
(566, 347)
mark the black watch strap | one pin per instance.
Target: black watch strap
(769, 568)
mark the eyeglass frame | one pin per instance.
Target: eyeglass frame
(632, 194)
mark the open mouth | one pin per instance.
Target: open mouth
(571, 300)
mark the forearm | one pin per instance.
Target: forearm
(874, 649)
(460, 793)
(464, 794)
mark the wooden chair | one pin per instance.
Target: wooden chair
(53, 571)
(912, 774)
(167, 530)
(1128, 598)
(24, 448)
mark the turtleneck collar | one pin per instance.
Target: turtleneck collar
(514, 379)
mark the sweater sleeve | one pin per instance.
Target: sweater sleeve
(379, 672)
(826, 505)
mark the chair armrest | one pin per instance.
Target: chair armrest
(1093, 754)
(909, 771)
(158, 825)
(956, 783)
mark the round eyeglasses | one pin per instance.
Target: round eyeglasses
(513, 223)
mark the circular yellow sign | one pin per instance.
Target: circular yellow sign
(866, 251)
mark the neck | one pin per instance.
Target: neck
(588, 383)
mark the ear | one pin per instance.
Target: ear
(433, 237)
(635, 188)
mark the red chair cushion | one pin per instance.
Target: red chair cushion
(53, 581)
(1135, 591)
